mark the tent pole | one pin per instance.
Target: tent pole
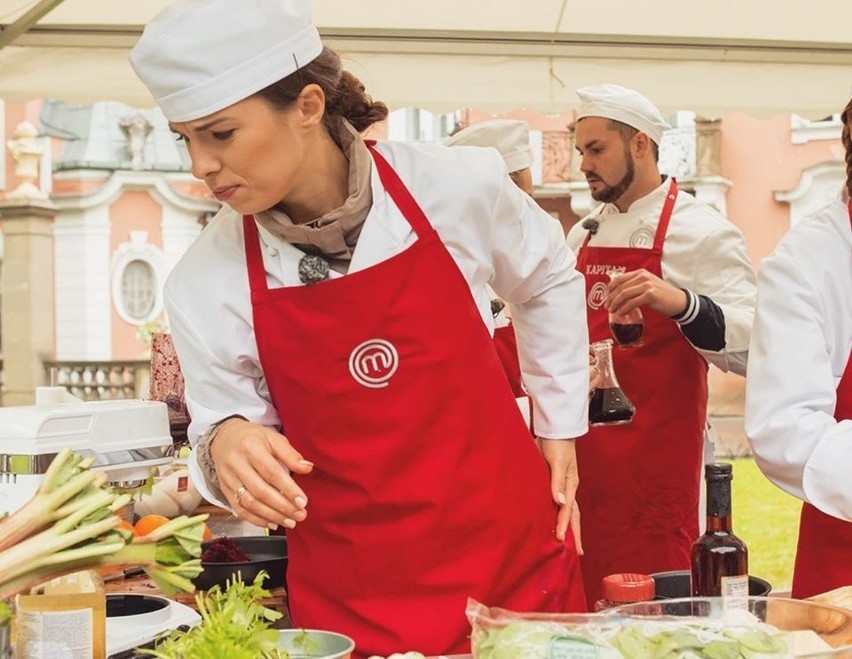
(26, 21)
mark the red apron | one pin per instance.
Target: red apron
(823, 560)
(640, 482)
(427, 487)
(507, 350)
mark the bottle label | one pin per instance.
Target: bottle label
(735, 592)
(43, 634)
(571, 647)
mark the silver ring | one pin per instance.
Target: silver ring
(241, 490)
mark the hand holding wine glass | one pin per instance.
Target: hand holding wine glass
(627, 328)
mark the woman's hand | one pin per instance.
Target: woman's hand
(561, 456)
(250, 461)
(595, 377)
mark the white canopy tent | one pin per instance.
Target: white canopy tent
(761, 57)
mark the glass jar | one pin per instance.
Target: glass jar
(625, 588)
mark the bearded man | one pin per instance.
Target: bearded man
(685, 266)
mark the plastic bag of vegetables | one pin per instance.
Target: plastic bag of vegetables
(501, 634)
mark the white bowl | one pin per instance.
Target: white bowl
(315, 644)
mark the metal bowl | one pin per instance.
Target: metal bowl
(267, 552)
(315, 644)
(676, 584)
(832, 624)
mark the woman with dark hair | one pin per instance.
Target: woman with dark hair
(799, 385)
(326, 394)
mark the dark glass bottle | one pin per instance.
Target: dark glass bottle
(719, 558)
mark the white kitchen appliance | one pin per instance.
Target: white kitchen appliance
(134, 620)
(127, 437)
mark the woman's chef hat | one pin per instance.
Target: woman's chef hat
(624, 105)
(197, 57)
(511, 137)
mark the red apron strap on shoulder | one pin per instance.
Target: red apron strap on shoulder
(254, 258)
(400, 194)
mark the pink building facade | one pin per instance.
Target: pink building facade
(129, 207)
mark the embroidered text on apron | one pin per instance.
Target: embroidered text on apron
(823, 560)
(427, 487)
(640, 482)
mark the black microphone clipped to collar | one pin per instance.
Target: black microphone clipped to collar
(591, 225)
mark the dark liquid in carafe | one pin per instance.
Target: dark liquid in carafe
(627, 334)
(609, 405)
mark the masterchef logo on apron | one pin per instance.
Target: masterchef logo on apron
(373, 362)
(597, 296)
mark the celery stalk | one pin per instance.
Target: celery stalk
(70, 524)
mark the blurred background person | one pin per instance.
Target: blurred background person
(511, 139)
(685, 267)
(799, 387)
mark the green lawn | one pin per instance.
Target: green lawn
(767, 519)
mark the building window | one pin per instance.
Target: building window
(137, 273)
(138, 289)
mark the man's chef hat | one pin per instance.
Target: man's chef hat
(511, 137)
(624, 105)
(197, 57)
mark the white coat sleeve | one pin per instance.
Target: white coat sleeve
(724, 274)
(791, 391)
(535, 272)
(222, 377)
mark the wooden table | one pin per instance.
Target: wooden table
(142, 585)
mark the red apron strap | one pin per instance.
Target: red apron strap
(666, 215)
(254, 259)
(399, 193)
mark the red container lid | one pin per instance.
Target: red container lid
(628, 587)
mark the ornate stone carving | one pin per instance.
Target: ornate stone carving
(677, 152)
(555, 156)
(136, 129)
(27, 150)
(708, 146)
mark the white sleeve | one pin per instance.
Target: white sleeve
(222, 378)
(791, 391)
(534, 271)
(724, 274)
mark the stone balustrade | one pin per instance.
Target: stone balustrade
(100, 380)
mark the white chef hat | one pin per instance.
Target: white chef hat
(624, 105)
(511, 137)
(197, 57)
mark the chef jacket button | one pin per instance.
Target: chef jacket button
(273, 251)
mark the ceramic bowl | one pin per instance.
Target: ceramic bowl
(267, 552)
(315, 644)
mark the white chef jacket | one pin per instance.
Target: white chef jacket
(496, 234)
(703, 252)
(800, 345)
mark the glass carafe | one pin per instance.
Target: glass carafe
(608, 404)
(628, 328)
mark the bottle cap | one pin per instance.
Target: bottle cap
(629, 587)
(718, 471)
